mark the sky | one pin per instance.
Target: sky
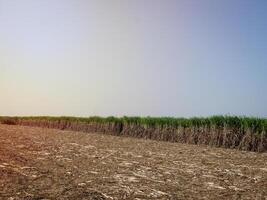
(179, 58)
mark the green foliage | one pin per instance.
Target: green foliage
(256, 125)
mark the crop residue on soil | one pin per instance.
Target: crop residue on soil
(38, 163)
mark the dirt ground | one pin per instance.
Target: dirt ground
(38, 163)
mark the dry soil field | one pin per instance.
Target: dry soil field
(47, 164)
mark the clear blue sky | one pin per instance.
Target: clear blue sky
(119, 57)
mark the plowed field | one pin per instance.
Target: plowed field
(38, 163)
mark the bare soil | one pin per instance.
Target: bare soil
(48, 164)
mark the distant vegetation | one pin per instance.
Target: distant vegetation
(257, 124)
(247, 133)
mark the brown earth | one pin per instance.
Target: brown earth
(38, 163)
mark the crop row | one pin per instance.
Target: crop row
(255, 124)
(244, 133)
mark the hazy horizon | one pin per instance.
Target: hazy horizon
(180, 58)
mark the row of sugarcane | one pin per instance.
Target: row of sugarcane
(244, 133)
